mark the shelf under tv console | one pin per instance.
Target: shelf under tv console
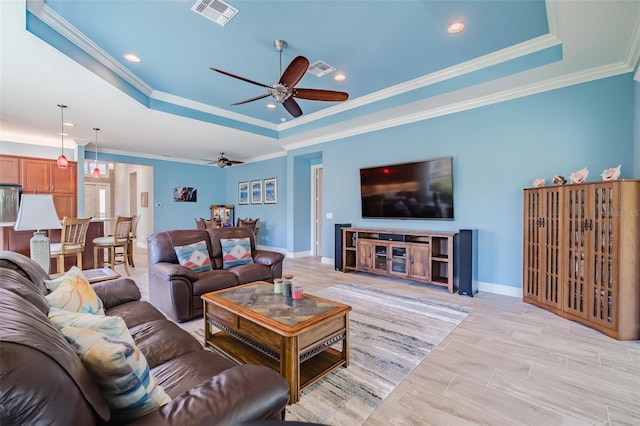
(415, 255)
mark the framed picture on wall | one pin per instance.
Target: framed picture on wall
(243, 193)
(256, 192)
(271, 190)
(185, 193)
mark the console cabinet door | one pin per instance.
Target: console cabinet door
(365, 255)
(419, 262)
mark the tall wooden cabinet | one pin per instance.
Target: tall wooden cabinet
(582, 254)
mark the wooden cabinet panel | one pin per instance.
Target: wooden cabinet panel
(419, 262)
(64, 181)
(35, 175)
(66, 205)
(581, 258)
(9, 170)
(365, 255)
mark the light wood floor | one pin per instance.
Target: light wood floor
(508, 363)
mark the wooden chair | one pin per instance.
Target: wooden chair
(116, 244)
(72, 241)
(252, 223)
(132, 237)
(204, 223)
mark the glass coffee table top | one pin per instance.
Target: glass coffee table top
(259, 298)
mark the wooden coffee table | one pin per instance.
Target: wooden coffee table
(293, 337)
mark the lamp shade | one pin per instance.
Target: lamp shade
(37, 212)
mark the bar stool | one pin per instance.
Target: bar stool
(116, 244)
(72, 241)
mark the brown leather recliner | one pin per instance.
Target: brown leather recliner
(44, 381)
(176, 290)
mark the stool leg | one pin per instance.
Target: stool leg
(79, 259)
(60, 264)
(95, 257)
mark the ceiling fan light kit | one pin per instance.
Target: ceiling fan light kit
(285, 91)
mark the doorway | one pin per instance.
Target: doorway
(97, 202)
(316, 210)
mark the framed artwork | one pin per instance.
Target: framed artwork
(243, 193)
(185, 193)
(271, 190)
(144, 199)
(256, 192)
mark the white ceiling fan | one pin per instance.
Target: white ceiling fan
(223, 161)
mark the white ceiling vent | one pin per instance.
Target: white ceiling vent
(320, 69)
(215, 10)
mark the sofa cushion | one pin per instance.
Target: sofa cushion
(162, 340)
(72, 292)
(194, 256)
(181, 374)
(20, 285)
(135, 313)
(120, 370)
(251, 273)
(214, 280)
(235, 251)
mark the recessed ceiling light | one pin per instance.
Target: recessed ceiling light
(131, 57)
(340, 77)
(455, 27)
(68, 124)
(271, 105)
(63, 134)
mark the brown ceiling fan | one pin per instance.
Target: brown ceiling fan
(223, 161)
(285, 91)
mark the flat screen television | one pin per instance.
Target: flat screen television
(420, 190)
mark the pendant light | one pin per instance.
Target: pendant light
(96, 171)
(62, 161)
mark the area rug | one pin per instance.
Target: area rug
(391, 333)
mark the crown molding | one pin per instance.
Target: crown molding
(71, 33)
(476, 102)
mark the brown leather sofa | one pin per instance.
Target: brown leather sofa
(176, 290)
(43, 381)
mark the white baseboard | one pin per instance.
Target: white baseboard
(269, 248)
(299, 254)
(327, 260)
(505, 290)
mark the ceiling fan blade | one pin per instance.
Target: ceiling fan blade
(238, 77)
(292, 106)
(320, 95)
(251, 100)
(294, 72)
(231, 162)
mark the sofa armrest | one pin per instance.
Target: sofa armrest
(116, 292)
(170, 271)
(239, 394)
(266, 257)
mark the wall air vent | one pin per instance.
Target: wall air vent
(320, 69)
(215, 10)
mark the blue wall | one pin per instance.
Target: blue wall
(209, 181)
(498, 150)
(273, 230)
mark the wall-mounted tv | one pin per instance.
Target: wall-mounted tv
(420, 190)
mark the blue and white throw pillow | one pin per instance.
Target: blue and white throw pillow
(119, 368)
(235, 251)
(72, 292)
(194, 256)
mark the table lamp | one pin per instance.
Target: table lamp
(37, 212)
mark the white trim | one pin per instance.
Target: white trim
(276, 249)
(314, 168)
(505, 290)
(637, 76)
(298, 254)
(68, 31)
(633, 51)
(327, 260)
(476, 102)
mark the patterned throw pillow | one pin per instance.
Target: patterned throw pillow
(194, 256)
(72, 292)
(119, 369)
(235, 251)
(109, 325)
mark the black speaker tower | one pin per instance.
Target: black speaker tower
(338, 245)
(466, 262)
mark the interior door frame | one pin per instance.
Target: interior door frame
(316, 210)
